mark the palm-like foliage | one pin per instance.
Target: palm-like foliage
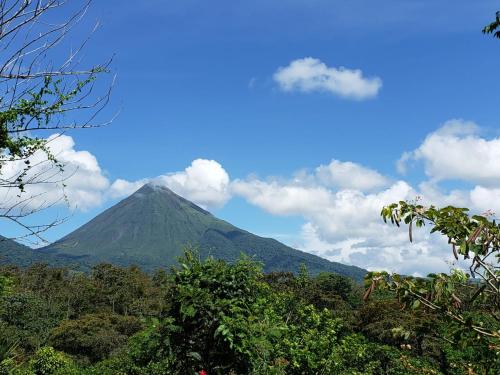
(493, 27)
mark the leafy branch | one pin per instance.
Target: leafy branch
(493, 26)
(474, 239)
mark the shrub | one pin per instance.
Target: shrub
(47, 361)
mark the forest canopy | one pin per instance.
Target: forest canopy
(208, 315)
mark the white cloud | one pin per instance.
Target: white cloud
(82, 180)
(336, 215)
(457, 152)
(392, 251)
(123, 188)
(433, 194)
(280, 199)
(348, 175)
(401, 163)
(204, 182)
(486, 199)
(310, 74)
(343, 224)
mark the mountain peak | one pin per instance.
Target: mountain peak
(160, 192)
(153, 186)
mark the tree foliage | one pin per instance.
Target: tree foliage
(493, 27)
(470, 301)
(221, 318)
(94, 336)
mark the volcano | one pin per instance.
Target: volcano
(151, 228)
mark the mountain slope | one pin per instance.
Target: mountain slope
(151, 227)
(12, 252)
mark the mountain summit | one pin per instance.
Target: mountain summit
(151, 227)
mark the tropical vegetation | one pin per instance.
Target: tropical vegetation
(212, 317)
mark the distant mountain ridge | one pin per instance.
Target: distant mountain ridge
(151, 227)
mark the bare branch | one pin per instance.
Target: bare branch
(38, 93)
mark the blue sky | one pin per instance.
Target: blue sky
(198, 80)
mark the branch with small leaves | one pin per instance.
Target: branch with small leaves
(472, 238)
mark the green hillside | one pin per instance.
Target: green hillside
(12, 252)
(152, 226)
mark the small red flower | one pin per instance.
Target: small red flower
(202, 372)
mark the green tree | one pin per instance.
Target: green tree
(124, 291)
(8, 343)
(471, 301)
(26, 318)
(5, 285)
(47, 361)
(207, 297)
(94, 336)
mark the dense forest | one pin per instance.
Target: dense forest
(212, 317)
